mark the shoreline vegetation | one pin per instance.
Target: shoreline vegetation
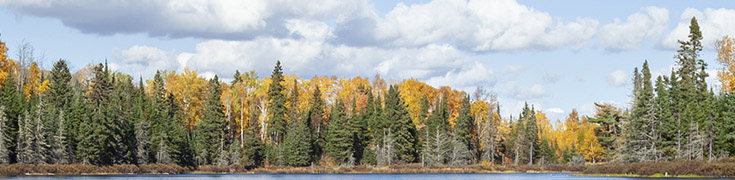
(678, 168)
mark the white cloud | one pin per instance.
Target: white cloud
(520, 92)
(143, 61)
(220, 19)
(480, 25)
(555, 111)
(617, 78)
(649, 22)
(714, 23)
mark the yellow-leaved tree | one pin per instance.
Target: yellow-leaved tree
(726, 56)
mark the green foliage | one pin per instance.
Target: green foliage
(339, 136)
(403, 131)
(253, 147)
(15, 105)
(464, 130)
(210, 132)
(277, 105)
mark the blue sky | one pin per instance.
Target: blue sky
(557, 55)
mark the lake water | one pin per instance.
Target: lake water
(543, 176)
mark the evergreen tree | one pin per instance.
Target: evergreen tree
(210, 132)
(297, 143)
(120, 118)
(59, 149)
(667, 126)
(4, 151)
(317, 123)
(142, 125)
(725, 140)
(609, 131)
(463, 131)
(38, 144)
(530, 139)
(277, 106)
(59, 97)
(339, 136)
(25, 153)
(253, 148)
(14, 103)
(437, 144)
(642, 128)
(403, 130)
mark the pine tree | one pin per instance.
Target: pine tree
(24, 150)
(15, 105)
(277, 106)
(642, 128)
(59, 148)
(38, 144)
(667, 126)
(298, 143)
(317, 123)
(253, 148)
(530, 139)
(142, 125)
(59, 97)
(690, 87)
(4, 151)
(210, 132)
(339, 137)
(463, 132)
(437, 144)
(403, 130)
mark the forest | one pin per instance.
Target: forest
(96, 116)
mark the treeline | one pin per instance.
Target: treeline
(99, 117)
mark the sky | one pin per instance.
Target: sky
(556, 55)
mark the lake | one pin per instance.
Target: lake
(543, 176)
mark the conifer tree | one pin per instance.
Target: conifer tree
(4, 151)
(339, 136)
(15, 105)
(403, 130)
(277, 106)
(59, 149)
(437, 144)
(253, 148)
(463, 131)
(317, 123)
(142, 125)
(210, 132)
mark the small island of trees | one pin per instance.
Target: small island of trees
(96, 120)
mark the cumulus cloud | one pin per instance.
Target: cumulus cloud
(222, 19)
(522, 92)
(144, 60)
(620, 35)
(714, 23)
(617, 78)
(477, 25)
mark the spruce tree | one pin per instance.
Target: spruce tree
(531, 140)
(277, 106)
(60, 96)
(253, 148)
(24, 150)
(297, 143)
(4, 151)
(437, 145)
(463, 130)
(59, 149)
(401, 126)
(15, 105)
(317, 123)
(339, 136)
(210, 132)
(142, 125)
(667, 126)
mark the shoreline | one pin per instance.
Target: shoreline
(672, 169)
